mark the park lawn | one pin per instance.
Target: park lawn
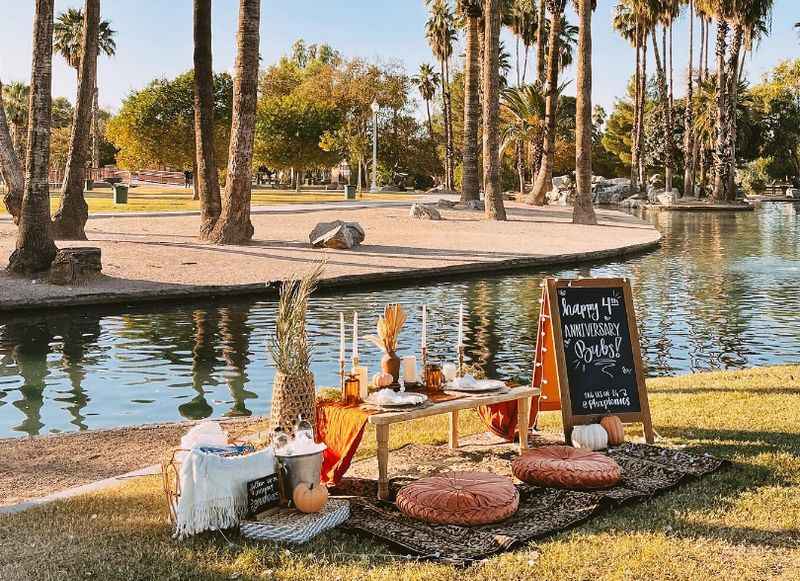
(156, 199)
(740, 523)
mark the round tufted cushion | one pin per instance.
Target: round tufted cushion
(459, 498)
(566, 467)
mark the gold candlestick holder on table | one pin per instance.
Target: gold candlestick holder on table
(341, 376)
(461, 360)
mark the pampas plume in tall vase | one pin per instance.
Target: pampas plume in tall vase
(293, 389)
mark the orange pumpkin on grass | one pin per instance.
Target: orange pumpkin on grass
(615, 429)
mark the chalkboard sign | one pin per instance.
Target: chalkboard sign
(262, 493)
(592, 329)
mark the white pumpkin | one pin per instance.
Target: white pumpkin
(591, 436)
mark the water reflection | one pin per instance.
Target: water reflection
(721, 293)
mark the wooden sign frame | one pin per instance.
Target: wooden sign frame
(556, 342)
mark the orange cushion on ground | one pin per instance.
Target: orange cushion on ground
(566, 467)
(459, 498)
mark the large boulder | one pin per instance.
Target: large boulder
(446, 204)
(611, 194)
(337, 234)
(424, 212)
(75, 265)
(665, 198)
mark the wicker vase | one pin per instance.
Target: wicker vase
(292, 396)
(390, 363)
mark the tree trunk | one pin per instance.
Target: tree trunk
(667, 127)
(635, 127)
(207, 177)
(70, 219)
(733, 94)
(688, 144)
(640, 141)
(451, 156)
(10, 166)
(470, 186)
(540, 63)
(722, 146)
(583, 212)
(35, 248)
(544, 179)
(298, 181)
(233, 225)
(447, 176)
(95, 127)
(430, 120)
(493, 197)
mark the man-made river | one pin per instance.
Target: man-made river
(721, 293)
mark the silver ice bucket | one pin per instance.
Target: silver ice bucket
(292, 470)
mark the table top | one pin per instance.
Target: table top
(463, 403)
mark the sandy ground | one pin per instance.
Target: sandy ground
(159, 256)
(34, 467)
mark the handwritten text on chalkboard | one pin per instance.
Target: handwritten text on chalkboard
(262, 493)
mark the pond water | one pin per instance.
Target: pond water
(721, 293)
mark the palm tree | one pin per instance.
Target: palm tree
(521, 19)
(70, 219)
(583, 212)
(495, 209)
(233, 225)
(15, 98)
(427, 80)
(207, 177)
(10, 167)
(690, 159)
(67, 35)
(544, 178)
(35, 249)
(472, 12)
(540, 43)
(627, 23)
(441, 33)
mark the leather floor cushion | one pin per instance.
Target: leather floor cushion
(566, 467)
(459, 498)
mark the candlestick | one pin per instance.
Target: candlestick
(424, 327)
(461, 324)
(342, 375)
(461, 360)
(341, 338)
(355, 338)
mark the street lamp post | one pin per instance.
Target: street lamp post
(375, 108)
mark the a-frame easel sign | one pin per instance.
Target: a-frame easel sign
(588, 358)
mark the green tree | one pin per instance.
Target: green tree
(10, 166)
(15, 101)
(427, 80)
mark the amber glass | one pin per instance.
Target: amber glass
(351, 395)
(434, 378)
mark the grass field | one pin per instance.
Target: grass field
(740, 523)
(159, 199)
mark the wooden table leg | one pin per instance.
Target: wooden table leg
(523, 419)
(382, 435)
(453, 430)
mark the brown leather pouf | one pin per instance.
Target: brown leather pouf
(566, 467)
(459, 498)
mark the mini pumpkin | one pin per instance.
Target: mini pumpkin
(590, 436)
(382, 379)
(615, 429)
(309, 497)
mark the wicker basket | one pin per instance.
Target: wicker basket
(292, 396)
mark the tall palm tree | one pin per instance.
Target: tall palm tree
(70, 219)
(67, 35)
(493, 196)
(35, 249)
(627, 23)
(441, 33)
(472, 11)
(233, 225)
(15, 98)
(544, 179)
(540, 43)
(205, 157)
(690, 159)
(583, 212)
(521, 19)
(10, 167)
(427, 81)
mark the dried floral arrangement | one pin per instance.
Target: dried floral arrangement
(389, 326)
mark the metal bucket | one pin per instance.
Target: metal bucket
(292, 470)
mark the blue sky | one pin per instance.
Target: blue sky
(155, 39)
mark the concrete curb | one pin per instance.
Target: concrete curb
(351, 281)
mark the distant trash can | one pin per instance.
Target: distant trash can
(349, 192)
(120, 194)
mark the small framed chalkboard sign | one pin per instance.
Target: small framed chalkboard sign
(262, 493)
(597, 353)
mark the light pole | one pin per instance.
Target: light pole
(375, 108)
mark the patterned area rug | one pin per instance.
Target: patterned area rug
(647, 470)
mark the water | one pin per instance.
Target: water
(721, 293)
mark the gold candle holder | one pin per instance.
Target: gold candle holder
(434, 378)
(351, 395)
(461, 360)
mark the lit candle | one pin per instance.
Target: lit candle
(461, 325)
(424, 327)
(341, 337)
(409, 364)
(355, 337)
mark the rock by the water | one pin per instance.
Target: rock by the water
(474, 205)
(665, 199)
(446, 204)
(424, 212)
(74, 265)
(337, 234)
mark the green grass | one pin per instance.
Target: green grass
(740, 523)
(158, 199)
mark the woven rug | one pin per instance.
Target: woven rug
(647, 471)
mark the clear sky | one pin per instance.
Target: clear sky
(155, 40)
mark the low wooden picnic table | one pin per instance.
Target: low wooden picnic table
(382, 422)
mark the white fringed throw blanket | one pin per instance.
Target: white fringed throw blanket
(214, 489)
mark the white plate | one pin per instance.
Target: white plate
(408, 400)
(483, 385)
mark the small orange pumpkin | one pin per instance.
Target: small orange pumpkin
(309, 497)
(615, 429)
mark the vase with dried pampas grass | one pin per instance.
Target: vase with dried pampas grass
(389, 326)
